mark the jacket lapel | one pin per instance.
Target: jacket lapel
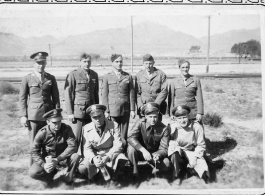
(45, 77)
(35, 78)
(105, 135)
(81, 73)
(189, 81)
(144, 73)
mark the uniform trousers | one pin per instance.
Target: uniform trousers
(38, 172)
(123, 122)
(34, 127)
(77, 127)
(135, 156)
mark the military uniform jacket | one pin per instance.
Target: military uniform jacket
(153, 89)
(36, 97)
(60, 145)
(109, 143)
(80, 93)
(118, 94)
(138, 137)
(189, 94)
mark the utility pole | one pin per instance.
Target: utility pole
(132, 44)
(239, 54)
(50, 53)
(208, 47)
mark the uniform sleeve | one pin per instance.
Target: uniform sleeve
(199, 97)
(133, 135)
(55, 94)
(169, 99)
(36, 149)
(132, 93)
(97, 90)
(199, 139)
(23, 97)
(117, 143)
(164, 91)
(69, 93)
(71, 144)
(162, 150)
(138, 90)
(105, 93)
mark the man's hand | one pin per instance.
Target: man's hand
(146, 154)
(97, 161)
(198, 117)
(132, 114)
(48, 167)
(105, 159)
(23, 121)
(156, 157)
(107, 116)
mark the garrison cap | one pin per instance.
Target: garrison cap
(54, 115)
(150, 107)
(114, 57)
(96, 109)
(182, 61)
(148, 57)
(180, 110)
(39, 56)
(85, 56)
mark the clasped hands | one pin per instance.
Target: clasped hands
(50, 166)
(148, 157)
(100, 161)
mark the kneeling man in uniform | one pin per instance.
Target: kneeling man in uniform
(148, 140)
(187, 144)
(57, 141)
(103, 146)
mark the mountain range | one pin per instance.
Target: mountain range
(148, 38)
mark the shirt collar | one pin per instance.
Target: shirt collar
(38, 74)
(86, 72)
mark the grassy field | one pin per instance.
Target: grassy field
(236, 147)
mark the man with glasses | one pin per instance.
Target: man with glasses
(38, 94)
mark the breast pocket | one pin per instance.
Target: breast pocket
(112, 86)
(125, 84)
(34, 88)
(81, 85)
(47, 86)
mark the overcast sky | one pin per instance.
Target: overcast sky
(65, 20)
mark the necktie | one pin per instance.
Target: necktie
(87, 76)
(150, 137)
(119, 75)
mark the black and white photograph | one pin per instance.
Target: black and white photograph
(131, 98)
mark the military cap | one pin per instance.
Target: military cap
(54, 115)
(182, 61)
(39, 56)
(96, 109)
(150, 107)
(148, 57)
(180, 110)
(114, 57)
(85, 56)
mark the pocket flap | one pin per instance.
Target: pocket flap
(112, 82)
(34, 85)
(81, 81)
(34, 105)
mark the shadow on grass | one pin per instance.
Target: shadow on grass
(215, 149)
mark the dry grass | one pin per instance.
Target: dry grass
(236, 151)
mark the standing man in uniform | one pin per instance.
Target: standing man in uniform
(38, 94)
(81, 91)
(151, 86)
(118, 95)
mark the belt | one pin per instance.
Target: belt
(186, 99)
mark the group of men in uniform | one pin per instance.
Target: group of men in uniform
(98, 136)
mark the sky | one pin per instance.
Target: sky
(61, 21)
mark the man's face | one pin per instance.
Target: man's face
(98, 120)
(184, 68)
(85, 64)
(183, 120)
(55, 126)
(152, 118)
(149, 65)
(40, 66)
(117, 64)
